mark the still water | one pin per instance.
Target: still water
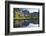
(26, 23)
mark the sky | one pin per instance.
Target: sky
(31, 10)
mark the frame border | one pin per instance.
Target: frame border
(7, 13)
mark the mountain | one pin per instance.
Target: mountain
(34, 14)
(26, 12)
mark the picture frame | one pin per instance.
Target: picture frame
(12, 6)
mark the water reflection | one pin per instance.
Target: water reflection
(25, 23)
